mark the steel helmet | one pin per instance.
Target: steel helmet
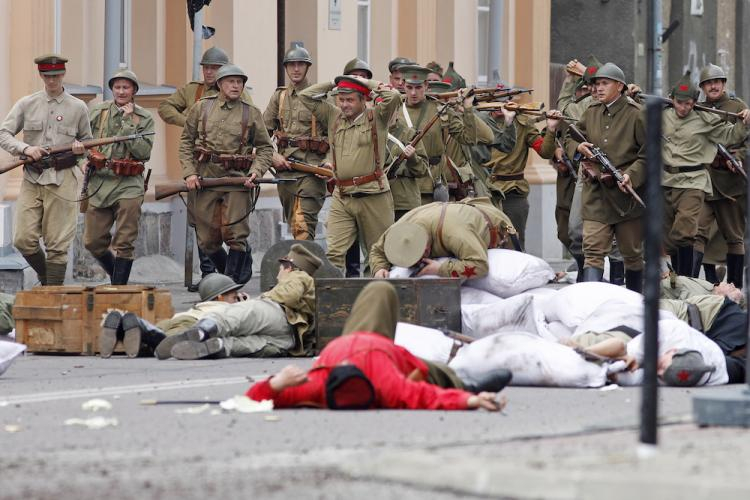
(712, 72)
(357, 64)
(127, 75)
(297, 53)
(216, 56)
(231, 70)
(216, 284)
(611, 71)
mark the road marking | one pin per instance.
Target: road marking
(41, 397)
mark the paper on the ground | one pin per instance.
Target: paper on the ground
(94, 423)
(243, 404)
(425, 343)
(96, 405)
(8, 352)
(193, 410)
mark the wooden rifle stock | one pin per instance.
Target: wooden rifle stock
(566, 160)
(91, 143)
(736, 165)
(310, 169)
(668, 102)
(393, 167)
(490, 93)
(172, 188)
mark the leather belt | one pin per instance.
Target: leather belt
(687, 168)
(360, 179)
(501, 177)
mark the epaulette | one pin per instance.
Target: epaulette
(141, 111)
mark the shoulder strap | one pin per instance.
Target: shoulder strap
(282, 98)
(245, 122)
(332, 140)
(441, 221)
(205, 111)
(494, 237)
(314, 126)
(199, 92)
(102, 120)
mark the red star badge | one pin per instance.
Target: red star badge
(683, 375)
(469, 271)
(591, 70)
(454, 274)
(683, 87)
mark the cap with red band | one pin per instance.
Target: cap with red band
(51, 64)
(347, 85)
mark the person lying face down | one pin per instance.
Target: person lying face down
(364, 369)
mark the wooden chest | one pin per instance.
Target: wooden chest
(434, 303)
(67, 319)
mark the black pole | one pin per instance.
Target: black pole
(747, 285)
(653, 243)
(280, 41)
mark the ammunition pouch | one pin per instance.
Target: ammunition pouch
(240, 163)
(96, 159)
(304, 143)
(126, 168)
(593, 173)
(57, 161)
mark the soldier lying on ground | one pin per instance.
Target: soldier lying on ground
(274, 325)
(674, 286)
(364, 369)
(464, 230)
(7, 324)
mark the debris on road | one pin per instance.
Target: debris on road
(94, 423)
(243, 404)
(96, 405)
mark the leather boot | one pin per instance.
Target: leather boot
(200, 332)
(110, 333)
(107, 261)
(616, 272)
(494, 381)
(592, 274)
(735, 268)
(710, 271)
(56, 274)
(151, 336)
(697, 261)
(206, 264)
(121, 273)
(38, 262)
(634, 281)
(352, 260)
(685, 261)
(131, 334)
(579, 261)
(675, 258)
(189, 349)
(245, 272)
(219, 260)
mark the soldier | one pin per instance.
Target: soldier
(496, 131)
(117, 178)
(361, 202)
(358, 67)
(726, 203)
(436, 72)
(298, 137)
(690, 144)
(7, 323)
(616, 125)
(683, 287)
(174, 110)
(417, 111)
(217, 141)
(45, 207)
(464, 230)
(396, 77)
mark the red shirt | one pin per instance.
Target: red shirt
(391, 369)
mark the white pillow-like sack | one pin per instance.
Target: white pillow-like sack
(423, 342)
(618, 312)
(573, 304)
(512, 272)
(559, 330)
(471, 296)
(8, 352)
(516, 314)
(534, 361)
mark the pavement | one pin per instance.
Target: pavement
(548, 443)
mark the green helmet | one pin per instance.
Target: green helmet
(358, 64)
(216, 284)
(127, 75)
(398, 61)
(231, 70)
(611, 71)
(297, 53)
(712, 72)
(214, 56)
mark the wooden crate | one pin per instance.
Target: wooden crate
(67, 319)
(434, 303)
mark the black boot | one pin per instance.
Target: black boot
(200, 332)
(616, 272)
(710, 271)
(675, 258)
(190, 349)
(352, 261)
(139, 337)
(121, 273)
(219, 260)
(495, 381)
(735, 268)
(107, 261)
(685, 261)
(56, 273)
(38, 262)
(592, 274)
(634, 281)
(207, 265)
(110, 333)
(246, 271)
(238, 263)
(579, 261)
(697, 261)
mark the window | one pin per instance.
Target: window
(483, 41)
(363, 29)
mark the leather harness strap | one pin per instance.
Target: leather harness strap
(199, 92)
(441, 221)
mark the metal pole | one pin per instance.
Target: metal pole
(747, 288)
(280, 41)
(653, 239)
(495, 52)
(653, 64)
(112, 42)
(197, 44)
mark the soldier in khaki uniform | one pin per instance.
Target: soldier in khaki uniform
(463, 230)
(396, 78)
(299, 137)
(726, 203)
(614, 123)
(217, 141)
(117, 184)
(361, 203)
(45, 208)
(690, 139)
(278, 323)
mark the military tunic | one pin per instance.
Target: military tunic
(215, 207)
(619, 130)
(44, 209)
(174, 109)
(463, 235)
(365, 208)
(301, 201)
(683, 287)
(490, 136)
(117, 198)
(404, 187)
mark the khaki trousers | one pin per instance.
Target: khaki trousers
(256, 328)
(730, 217)
(301, 202)
(48, 213)
(98, 224)
(212, 210)
(682, 209)
(516, 207)
(369, 216)
(597, 243)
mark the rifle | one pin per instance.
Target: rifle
(605, 163)
(489, 93)
(668, 102)
(566, 161)
(54, 151)
(393, 167)
(84, 205)
(172, 188)
(523, 108)
(310, 169)
(733, 161)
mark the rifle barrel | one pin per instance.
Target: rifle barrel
(172, 188)
(310, 169)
